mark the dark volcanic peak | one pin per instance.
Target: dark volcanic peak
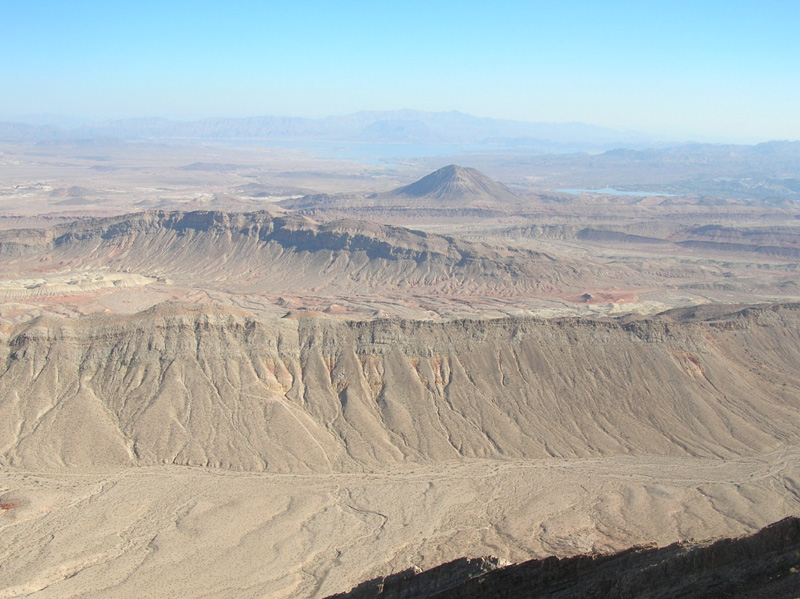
(454, 185)
(450, 188)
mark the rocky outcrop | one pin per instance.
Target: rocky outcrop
(764, 565)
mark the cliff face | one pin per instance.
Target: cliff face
(764, 565)
(214, 387)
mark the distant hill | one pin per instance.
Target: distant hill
(24, 131)
(450, 187)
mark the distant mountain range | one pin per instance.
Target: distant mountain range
(399, 126)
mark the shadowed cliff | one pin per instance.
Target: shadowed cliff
(765, 565)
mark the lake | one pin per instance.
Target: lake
(617, 192)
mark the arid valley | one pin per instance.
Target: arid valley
(249, 370)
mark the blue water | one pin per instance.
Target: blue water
(617, 192)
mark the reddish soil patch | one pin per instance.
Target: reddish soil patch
(7, 505)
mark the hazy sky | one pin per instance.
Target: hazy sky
(726, 70)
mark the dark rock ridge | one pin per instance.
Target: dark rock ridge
(297, 232)
(765, 565)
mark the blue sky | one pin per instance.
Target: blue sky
(704, 70)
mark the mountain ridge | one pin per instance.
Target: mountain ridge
(285, 253)
(320, 395)
(399, 126)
